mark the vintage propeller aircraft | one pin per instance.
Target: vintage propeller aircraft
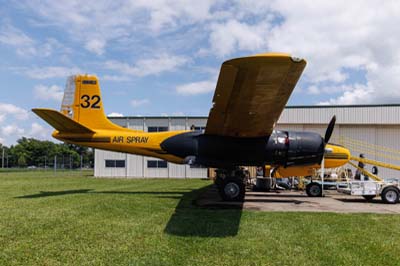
(250, 95)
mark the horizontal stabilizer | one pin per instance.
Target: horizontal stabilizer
(61, 122)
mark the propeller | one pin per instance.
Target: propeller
(329, 129)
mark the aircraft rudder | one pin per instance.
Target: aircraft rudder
(83, 102)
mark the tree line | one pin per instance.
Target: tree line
(30, 152)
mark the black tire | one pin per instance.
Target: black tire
(314, 190)
(369, 197)
(232, 189)
(390, 195)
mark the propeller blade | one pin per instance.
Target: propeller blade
(329, 129)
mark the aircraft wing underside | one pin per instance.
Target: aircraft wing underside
(251, 94)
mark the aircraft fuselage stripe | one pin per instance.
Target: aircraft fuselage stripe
(98, 140)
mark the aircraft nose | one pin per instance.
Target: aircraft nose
(336, 155)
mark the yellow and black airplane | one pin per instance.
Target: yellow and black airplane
(250, 95)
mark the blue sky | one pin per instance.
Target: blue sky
(163, 57)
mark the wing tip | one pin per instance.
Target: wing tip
(269, 55)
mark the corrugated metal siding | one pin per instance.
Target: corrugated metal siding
(102, 171)
(136, 124)
(155, 172)
(135, 165)
(198, 122)
(373, 125)
(345, 115)
(178, 124)
(196, 172)
(156, 122)
(176, 170)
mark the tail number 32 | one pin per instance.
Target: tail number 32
(90, 102)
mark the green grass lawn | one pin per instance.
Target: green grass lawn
(70, 218)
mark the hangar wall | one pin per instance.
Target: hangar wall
(370, 129)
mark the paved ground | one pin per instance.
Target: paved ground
(295, 201)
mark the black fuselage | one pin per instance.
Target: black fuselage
(284, 148)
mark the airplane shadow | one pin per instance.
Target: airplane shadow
(188, 219)
(42, 194)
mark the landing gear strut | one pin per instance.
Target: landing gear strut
(231, 183)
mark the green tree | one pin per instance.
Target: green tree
(22, 160)
(29, 151)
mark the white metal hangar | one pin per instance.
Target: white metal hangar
(373, 130)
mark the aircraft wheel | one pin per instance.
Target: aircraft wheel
(368, 197)
(390, 195)
(233, 189)
(314, 190)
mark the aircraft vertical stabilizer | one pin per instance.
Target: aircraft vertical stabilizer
(82, 102)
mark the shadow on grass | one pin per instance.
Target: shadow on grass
(188, 219)
(43, 194)
(217, 220)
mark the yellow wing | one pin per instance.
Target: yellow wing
(251, 94)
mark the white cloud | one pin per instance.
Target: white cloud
(13, 110)
(49, 72)
(149, 66)
(39, 132)
(115, 114)
(231, 36)
(9, 129)
(341, 37)
(139, 102)
(26, 46)
(360, 94)
(96, 46)
(164, 14)
(115, 78)
(53, 92)
(12, 36)
(12, 129)
(114, 20)
(337, 38)
(10, 133)
(195, 88)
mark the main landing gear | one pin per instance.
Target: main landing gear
(231, 183)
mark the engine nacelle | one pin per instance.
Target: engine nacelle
(305, 148)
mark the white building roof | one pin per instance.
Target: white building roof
(388, 114)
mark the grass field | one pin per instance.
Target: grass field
(73, 219)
